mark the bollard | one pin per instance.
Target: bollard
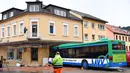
(0, 63)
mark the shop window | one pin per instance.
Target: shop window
(19, 54)
(14, 54)
(10, 54)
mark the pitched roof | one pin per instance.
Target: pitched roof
(12, 9)
(56, 6)
(88, 16)
(116, 29)
(70, 16)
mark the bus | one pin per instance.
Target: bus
(104, 53)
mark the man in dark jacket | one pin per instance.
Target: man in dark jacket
(57, 63)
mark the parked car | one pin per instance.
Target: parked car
(128, 58)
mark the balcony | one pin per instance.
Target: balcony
(32, 36)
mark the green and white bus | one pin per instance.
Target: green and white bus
(104, 53)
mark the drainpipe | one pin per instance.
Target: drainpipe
(82, 31)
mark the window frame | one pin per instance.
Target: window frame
(92, 36)
(11, 14)
(93, 25)
(15, 53)
(85, 37)
(86, 26)
(5, 16)
(116, 37)
(126, 39)
(75, 25)
(2, 27)
(101, 27)
(60, 12)
(64, 29)
(32, 8)
(21, 28)
(54, 32)
(8, 32)
(14, 24)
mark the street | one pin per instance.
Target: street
(65, 70)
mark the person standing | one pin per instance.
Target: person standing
(57, 63)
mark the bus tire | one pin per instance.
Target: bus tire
(84, 64)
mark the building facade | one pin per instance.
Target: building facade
(93, 28)
(26, 36)
(116, 33)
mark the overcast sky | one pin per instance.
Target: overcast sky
(116, 12)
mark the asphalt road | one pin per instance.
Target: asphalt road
(75, 70)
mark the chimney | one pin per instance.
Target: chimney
(37, 0)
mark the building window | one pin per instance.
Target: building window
(13, 54)
(123, 38)
(52, 27)
(93, 37)
(101, 27)
(10, 54)
(65, 29)
(126, 38)
(116, 37)
(14, 29)
(2, 32)
(76, 29)
(8, 30)
(119, 37)
(86, 24)
(129, 48)
(126, 48)
(11, 14)
(34, 8)
(60, 12)
(93, 25)
(19, 53)
(21, 28)
(129, 39)
(4, 16)
(101, 37)
(86, 36)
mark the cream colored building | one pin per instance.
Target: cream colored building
(26, 36)
(93, 28)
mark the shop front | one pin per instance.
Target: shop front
(29, 54)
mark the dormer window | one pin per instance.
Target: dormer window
(60, 12)
(5, 16)
(34, 8)
(11, 14)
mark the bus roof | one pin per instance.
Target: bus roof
(78, 45)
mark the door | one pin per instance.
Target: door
(34, 54)
(34, 30)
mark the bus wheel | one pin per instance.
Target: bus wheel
(85, 64)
